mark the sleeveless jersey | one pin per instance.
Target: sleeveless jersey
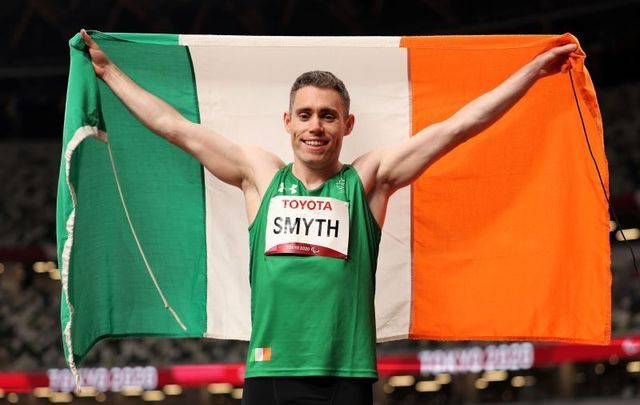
(312, 273)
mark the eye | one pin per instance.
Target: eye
(329, 117)
(303, 116)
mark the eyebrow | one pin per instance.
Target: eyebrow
(323, 110)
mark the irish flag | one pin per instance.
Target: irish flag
(504, 238)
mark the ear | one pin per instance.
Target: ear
(351, 121)
(286, 118)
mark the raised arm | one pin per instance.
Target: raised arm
(239, 165)
(393, 168)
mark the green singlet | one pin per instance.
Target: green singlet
(313, 261)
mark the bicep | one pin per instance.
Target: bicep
(401, 164)
(233, 163)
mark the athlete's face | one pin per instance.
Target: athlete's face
(317, 122)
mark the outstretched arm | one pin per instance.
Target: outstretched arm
(393, 168)
(235, 164)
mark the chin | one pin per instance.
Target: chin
(314, 161)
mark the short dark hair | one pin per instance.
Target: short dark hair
(323, 80)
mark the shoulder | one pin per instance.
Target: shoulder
(367, 166)
(376, 190)
(262, 163)
(262, 167)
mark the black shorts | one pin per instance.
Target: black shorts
(307, 391)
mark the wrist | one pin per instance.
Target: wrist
(533, 70)
(110, 73)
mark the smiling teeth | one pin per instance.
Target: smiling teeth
(314, 143)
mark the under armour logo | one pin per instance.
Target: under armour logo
(292, 190)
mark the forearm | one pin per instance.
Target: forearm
(223, 158)
(153, 112)
(480, 113)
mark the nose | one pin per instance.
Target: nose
(315, 125)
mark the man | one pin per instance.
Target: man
(315, 224)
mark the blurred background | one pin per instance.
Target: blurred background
(33, 79)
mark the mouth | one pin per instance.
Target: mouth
(315, 142)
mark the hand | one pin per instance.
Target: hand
(101, 63)
(554, 60)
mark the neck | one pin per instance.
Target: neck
(313, 177)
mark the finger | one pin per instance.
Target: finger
(87, 39)
(564, 52)
(568, 48)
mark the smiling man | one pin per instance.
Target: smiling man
(315, 224)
